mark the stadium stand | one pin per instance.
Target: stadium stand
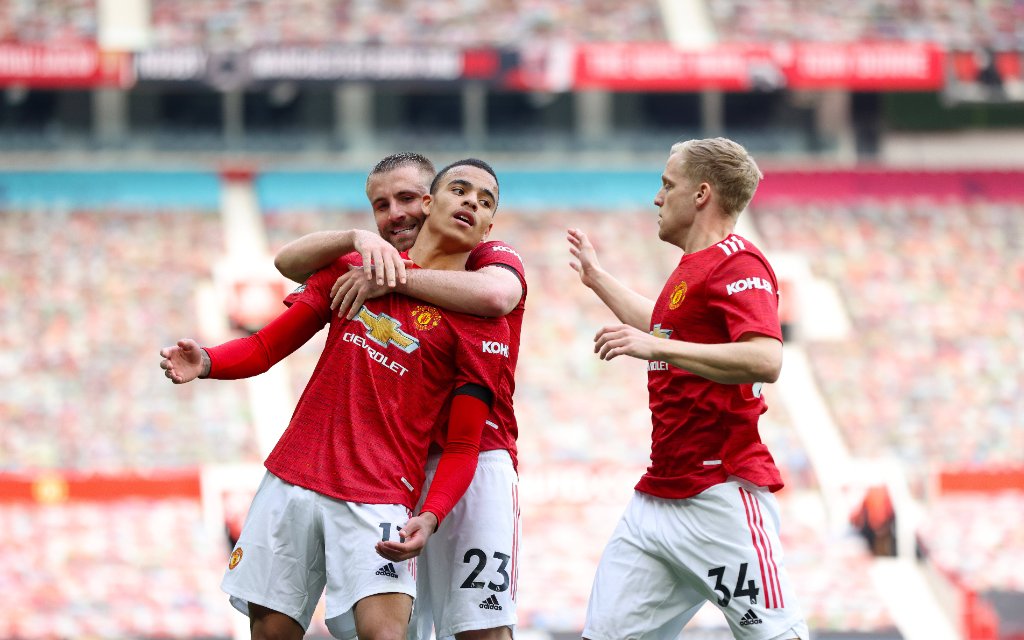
(980, 537)
(951, 23)
(50, 22)
(88, 294)
(930, 373)
(237, 24)
(110, 569)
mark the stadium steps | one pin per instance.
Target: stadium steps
(688, 23)
(912, 604)
(248, 258)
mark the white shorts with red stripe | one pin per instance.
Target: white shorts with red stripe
(468, 571)
(667, 557)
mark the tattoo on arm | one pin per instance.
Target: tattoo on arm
(207, 364)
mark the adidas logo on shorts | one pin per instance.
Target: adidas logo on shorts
(492, 603)
(389, 571)
(749, 618)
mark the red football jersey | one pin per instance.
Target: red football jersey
(501, 430)
(361, 429)
(704, 431)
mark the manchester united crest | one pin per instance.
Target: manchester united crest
(425, 317)
(677, 297)
(236, 557)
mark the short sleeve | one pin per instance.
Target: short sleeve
(743, 289)
(497, 253)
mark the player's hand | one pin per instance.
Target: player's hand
(380, 259)
(184, 362)
(414, 534)
(351, 290)
(584, 260)
(624, 340)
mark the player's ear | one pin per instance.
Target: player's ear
(703, 194)
(487, 232)
(427, 201)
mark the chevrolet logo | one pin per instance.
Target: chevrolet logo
(385, 330)
(658, 332)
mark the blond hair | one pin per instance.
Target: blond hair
(723, 164)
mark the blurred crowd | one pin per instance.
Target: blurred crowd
(954, 23)
(48, 22)
(459, 23)
(932, 371)
(237, 24)
(127, 569)
(982, 540)
(86, 300)
(233, 24)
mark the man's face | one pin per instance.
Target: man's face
(397, 200)
(462, 209)
(676, 201)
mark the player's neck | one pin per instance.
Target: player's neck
(706, 233)
(433, 254)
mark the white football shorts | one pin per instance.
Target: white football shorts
(468, 571)
(296, 541)
(667, 557)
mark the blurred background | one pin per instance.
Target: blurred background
(155, 153)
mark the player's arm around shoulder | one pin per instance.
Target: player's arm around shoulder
(300, 258)
(492, 286)
(488, 289)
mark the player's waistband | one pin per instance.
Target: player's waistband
(491, 457)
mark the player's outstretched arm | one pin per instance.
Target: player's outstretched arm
(628, 306)
(298, 259)
(490, 292)
(244, 357)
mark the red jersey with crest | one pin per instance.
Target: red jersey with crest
(501, 429)
(383, 384)
(704, 431)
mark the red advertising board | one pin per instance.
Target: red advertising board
(63, 67)
(59, 486)
(729, 67)
(889, 66)
(660, 67)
